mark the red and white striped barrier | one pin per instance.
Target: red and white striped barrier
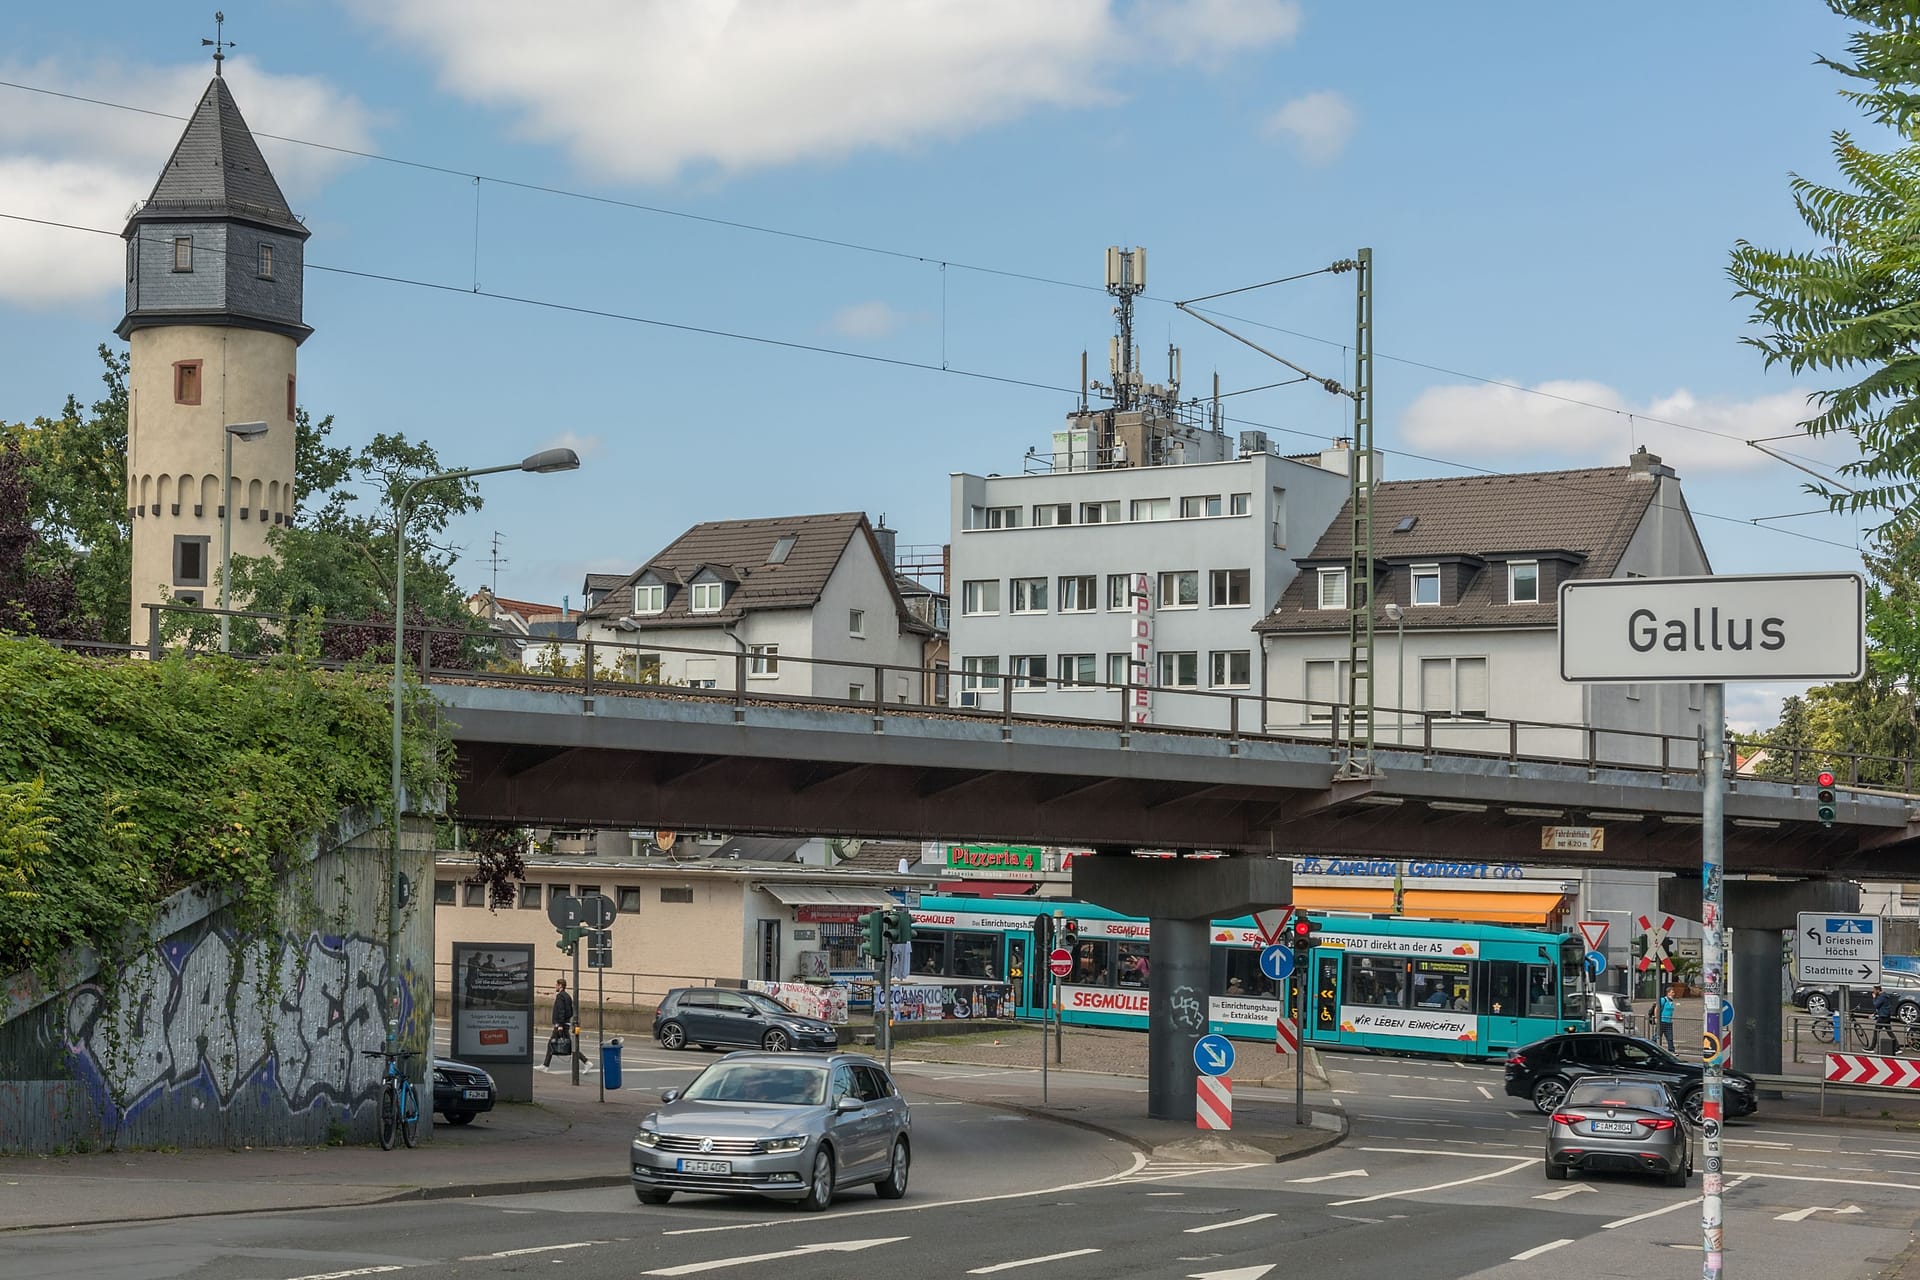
(1868, 1068)
(1213, 1103)
(1286, 1037)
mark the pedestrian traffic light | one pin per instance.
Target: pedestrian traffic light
(873, 942)
(1825, 797)
(569, 940)
(1306, 933)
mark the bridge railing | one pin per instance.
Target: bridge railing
(597, 668)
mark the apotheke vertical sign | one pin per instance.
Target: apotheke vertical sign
(1795, 626)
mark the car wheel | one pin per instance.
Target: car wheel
(1678, 1177)
(652, 1195)
(1818, 1006)
(894, 1185)
(1549, 1094)
(458, 1117)
(1555, 1172)
(777, 1041)
(820, 1185)
(673, 1036)
(1693, 1108)
(1908, 1012)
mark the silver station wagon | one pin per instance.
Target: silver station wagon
(792, 1126)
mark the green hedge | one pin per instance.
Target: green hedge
(124, 781)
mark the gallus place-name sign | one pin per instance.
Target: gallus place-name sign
(1791, 626)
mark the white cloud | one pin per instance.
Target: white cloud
(644, 89)
(1494, 423)
(869, 320)
(1319, 124)
(87, 165)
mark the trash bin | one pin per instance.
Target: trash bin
(610, 1063)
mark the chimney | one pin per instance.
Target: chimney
(1648, 466)
(886, 538)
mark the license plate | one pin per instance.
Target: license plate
(1610, 1126)
(705, 1166)
(476, 1093)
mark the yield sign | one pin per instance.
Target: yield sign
(1272, 923)
(1594, 931)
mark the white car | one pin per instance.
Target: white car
(1607, 1011)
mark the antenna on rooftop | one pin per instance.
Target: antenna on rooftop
(496, 560)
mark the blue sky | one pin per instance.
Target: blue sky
(1550, 197)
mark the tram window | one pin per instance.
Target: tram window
(975, 955)
(1377, 982)
(930, 956)
(1502, 998)
(1443, 984)
(1092, 964)
(1543, 996)
(1238, 974)
(1134, 965)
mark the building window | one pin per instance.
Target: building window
(1180, 589)
(1076, 668)
(293, 403)
(186, 382)
(1052, 513)
(628, 899)
(996, 517)
(1179, 670)
(1228, 587)
(1119, 591)
(650, 599)
(1280, 518)
(763, 660)
(1100, 512)
(708, 596)
(857, 623)
(1523, 582)
(1029, 595)
(1200, 505)
(683, 893)
(782, 548)
(475, 895)
(194, 598)
(190, 562)
(979, 674)
(856, 693)
(183, 253)
(1426, 584)
(528, 897)
(1333, 588)
(582, 890)
(1232, 668)
(264, 267)
(980, 595)
(702, 673)
(443, 893)
(1454, 687)
(940, 670)
(1029, 670)
(1326, 689)
(1239, 504)
(1118, 668)
(1152, 509)
(1077, 594)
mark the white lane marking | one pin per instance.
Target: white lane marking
(1438, 1186)
(1354, 1217)
(1235, 1273)
(835, 1246)
(1422, 1151)
(1484, 1092)
(1903, 1155)
(1838, 1182)
(1801, 1215)
(1750, 1142)
(1642, 1217)
(1028, 1262)
(1419, 1097)
(538, 1248)
(1329, 1177)
(345, 1275)
(1537, 1250)
(1562, 1194)
(1222, 1226)
(1151, 1194)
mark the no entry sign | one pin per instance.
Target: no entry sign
(1060, 961)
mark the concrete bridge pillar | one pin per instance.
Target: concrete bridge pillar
(1757, 913)
(1179, 897)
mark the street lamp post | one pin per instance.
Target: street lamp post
(245, 431)
(1398, 617)
(547, 460)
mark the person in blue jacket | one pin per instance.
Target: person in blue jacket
(1666, 1016)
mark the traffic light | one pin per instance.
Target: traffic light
(874, 944)
(1825, 798)
(1069, 934)
(1306, 933)
(569, 940)
(898, 927)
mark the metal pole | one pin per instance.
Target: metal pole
(1058, 915)
(226, 542)
(1046, 1011)
(886, 998)
(1301, 974)
(575, 1028)
(1713, 802)
(600, 1027)
(399, 718)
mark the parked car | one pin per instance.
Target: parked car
(1609, 1011)
(708, 1016)
(791, 1126)
(1543, 1071)
(1627, 1124)
(460, 1091)
(1902, 985)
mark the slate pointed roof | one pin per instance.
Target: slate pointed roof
(216, 171)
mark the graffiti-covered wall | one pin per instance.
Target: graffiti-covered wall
(206, 1038)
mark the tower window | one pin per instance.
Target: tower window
(183, 253)
(265, 268)
(186, 382)
(291, 401)
(190, 562)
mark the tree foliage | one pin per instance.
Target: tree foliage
(36, 582)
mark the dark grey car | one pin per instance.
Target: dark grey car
(793, 1126)
(1620, 1124)
(722, 1016)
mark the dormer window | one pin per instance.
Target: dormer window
(1426, 584)
(1333, 588)
(649, 599)
(1523, 582)
(183, 253)
(708, 597)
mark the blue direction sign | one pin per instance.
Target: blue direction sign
(1213, 1054)
(1277, 962)
(1726, 1017)
(1595, 963)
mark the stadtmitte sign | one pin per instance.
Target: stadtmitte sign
(1791, 626)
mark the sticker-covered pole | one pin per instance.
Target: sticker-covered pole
(1713, 802)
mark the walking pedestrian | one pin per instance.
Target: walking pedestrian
(1666, 1015)
(562, 1041)
(1883, 1020)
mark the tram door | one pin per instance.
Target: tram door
(1025, 988)
(1323, 997)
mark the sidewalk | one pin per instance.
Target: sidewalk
(568, 1138)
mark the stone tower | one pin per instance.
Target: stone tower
(214, 260)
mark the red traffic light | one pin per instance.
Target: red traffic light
(1826, 778)
(1302, 928)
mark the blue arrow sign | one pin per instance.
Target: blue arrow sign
(1213, 1054)
(1595, 963)
(1726, 1016)
(1277, 962)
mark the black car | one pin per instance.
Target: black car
(1903, 986)
(709, 1016)
(460, 1091)
(1543, 1071)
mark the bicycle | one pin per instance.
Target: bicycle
(399, 1098)
(1865, 1035)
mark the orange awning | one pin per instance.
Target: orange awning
(1436, 904)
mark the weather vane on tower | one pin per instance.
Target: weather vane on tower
(219, 46)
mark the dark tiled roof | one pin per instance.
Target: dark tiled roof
(737, 551)
(759, 848)
(604, 581)
(1591, 513)
(880, 855)
(216, 171)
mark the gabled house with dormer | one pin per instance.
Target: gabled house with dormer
(801, 605)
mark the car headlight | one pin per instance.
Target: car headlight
(440, 1077)
(773, 1146)
(645, 1138)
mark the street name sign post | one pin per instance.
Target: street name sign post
(1710, 630)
